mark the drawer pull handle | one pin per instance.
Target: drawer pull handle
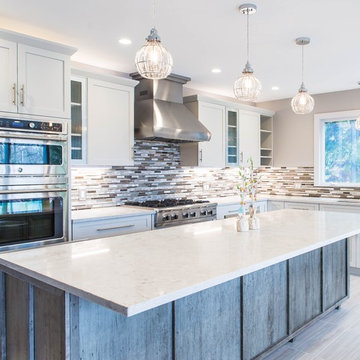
(233, 211)
(116, 227)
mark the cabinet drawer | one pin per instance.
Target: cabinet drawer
(93, 229)
(275, 205)
(340, 208)
(301, 206)
(231, 210)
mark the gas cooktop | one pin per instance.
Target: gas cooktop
(170, 212)
(165, 203)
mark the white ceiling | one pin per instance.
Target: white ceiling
(203, 34)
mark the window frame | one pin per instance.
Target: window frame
(319, 145)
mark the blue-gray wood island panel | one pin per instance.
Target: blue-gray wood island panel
(245, 318)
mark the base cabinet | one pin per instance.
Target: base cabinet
(305, 296)
(113, 226)
(264, 309)
(244, 318)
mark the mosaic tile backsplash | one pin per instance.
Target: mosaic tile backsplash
(299, 181)
(157, 174)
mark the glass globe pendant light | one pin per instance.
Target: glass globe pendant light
(152, 60)
(247, 87)
(302, 103)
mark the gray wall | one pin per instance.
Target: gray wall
(294, 134)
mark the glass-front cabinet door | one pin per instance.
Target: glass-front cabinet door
(232, 137)
(78, 120)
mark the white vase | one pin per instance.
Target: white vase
(242, 223)
(254, 221)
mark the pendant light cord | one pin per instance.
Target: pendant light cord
(302, 63)
(247, 36)
(154, 11)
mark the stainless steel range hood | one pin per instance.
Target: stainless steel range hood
(160, 113)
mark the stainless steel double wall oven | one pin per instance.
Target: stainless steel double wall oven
(33, 182)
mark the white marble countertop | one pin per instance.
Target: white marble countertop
(108, 212)
(136, 272)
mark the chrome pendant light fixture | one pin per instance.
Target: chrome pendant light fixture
(247, 87)
(302, 103)
(152, 60)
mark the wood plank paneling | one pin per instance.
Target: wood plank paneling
(335, 273)
(304, 289)
(264, 309)
(107, 335)
(49, 324)
(208, 324)
(17, 319)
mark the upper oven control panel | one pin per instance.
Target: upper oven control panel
(30, 125)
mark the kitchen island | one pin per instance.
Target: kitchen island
(198, 291)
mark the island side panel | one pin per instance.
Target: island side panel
(264, 309)
(304, 289)
(17, 324)
(208, 324)
(335, 273)
(107, 335)
(49, 324)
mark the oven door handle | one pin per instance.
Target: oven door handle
(33, 136)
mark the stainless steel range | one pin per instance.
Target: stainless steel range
(171, 212)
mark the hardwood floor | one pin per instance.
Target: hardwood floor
(335, 337)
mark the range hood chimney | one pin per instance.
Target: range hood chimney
(160, 113)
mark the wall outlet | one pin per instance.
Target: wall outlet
(82, 194)
(297, 185)
(206, 187)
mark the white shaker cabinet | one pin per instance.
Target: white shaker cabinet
(34, 76)
(235, 133)
(8, 76)
(206, 153)
(212, 153)
(249, 134)
(110, 123)
(43, 82)
(112, 226)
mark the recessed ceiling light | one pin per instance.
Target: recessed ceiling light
(216, 71)
(275, 88)
(125, 41)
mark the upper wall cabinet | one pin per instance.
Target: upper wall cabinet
(235, 133)
(102, 115)
(206, 153)
(8, 76)
(34, 76)
(249, 134)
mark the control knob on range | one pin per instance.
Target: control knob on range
(193, 214)
(185, 215)
(174, 216)
(210, 212)
(203, 212)
(166, 217)
(31, 125)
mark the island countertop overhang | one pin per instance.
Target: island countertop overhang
(137, 272)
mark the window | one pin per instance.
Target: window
(337, 149)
